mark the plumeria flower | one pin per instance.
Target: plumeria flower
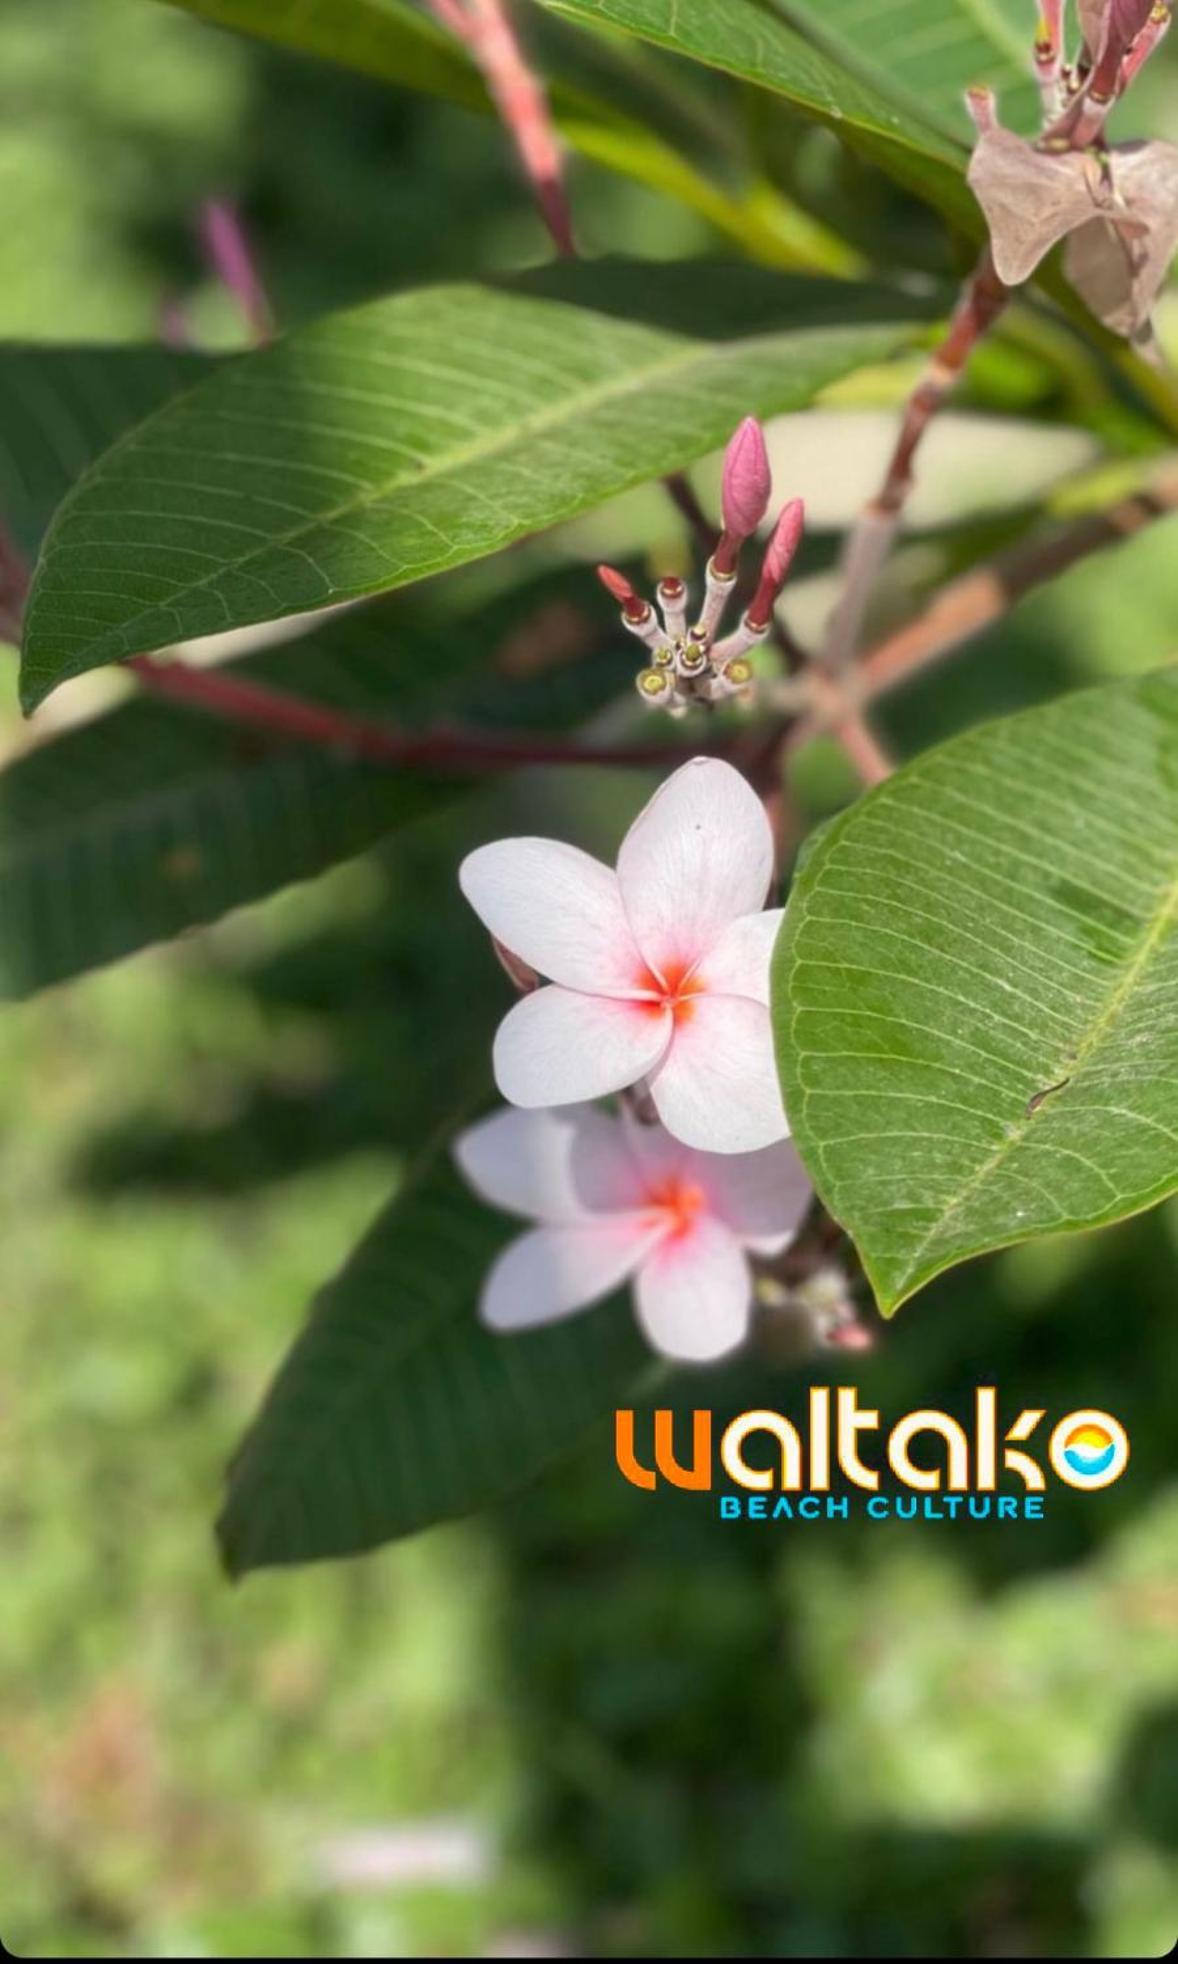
(658, 972)
(689, 664)
(615, 1201)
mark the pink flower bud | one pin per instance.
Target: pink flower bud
(629, 600)
(787, 536)
(779, 557)
(744, 495)
(850, 1336)
(1127, 18)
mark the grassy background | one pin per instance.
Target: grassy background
(586, 1723)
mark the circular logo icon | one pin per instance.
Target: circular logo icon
(1089, 1449)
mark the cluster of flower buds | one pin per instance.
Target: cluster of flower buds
(688, 664)
(1117, 205)
(1117, 38)
(806, 1304)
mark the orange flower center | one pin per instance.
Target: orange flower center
(681, 1199)
(673, 989)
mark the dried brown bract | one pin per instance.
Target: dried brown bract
(1118, 263)
(1115, 206)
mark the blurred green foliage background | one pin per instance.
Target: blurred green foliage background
(587, 1723)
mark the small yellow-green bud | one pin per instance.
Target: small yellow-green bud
(653, 684)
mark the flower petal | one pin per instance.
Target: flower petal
(697, 857)
(762, 1196)
(1119, 265)
(716, 1088)
(558, 908)
(658, 1157)
(1031, 198)
(559, 1165)
(694, 1293)
(551, 1271)
(558, 1047)
(738, 964)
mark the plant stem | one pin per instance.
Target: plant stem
(14, 587)
(982, 300)
(485, 29)
(839, 713)
(274, 713)
(971, 604)
(679, 490)
(986, 593)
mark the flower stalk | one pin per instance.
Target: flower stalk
(1117, 210)
(486, 31)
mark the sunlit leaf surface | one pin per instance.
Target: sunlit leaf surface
(975, 989)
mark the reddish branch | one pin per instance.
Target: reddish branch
(275, 713)
(14, 587)
(960, 611)
(977, 600)
(981, 302)
(1030, 203)
(257, 706)
(986, 593)
(230, 255)
(484, 27)
(682, 495)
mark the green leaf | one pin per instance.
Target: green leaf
(747, 39)
(975, 991)
(606, 108)
(388, 39)
(389, 442)
(61, 407)
(927, 57)
(396, 1409)
(155, 818)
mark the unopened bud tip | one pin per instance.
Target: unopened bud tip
(746, 485)
(618, 585)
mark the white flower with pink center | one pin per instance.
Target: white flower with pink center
(657, 973)
(617, 1201)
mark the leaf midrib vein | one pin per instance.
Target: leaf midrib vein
(681, 359)
(1068, 1064)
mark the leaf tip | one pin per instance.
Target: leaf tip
(32, 690)
(234, 1561)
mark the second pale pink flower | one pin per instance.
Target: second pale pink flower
(658, 972)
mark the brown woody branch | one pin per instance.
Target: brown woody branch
(982, 300)
(275, 713)
(984, 595)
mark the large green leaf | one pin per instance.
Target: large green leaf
(62, 406)
(389, 39)
(389, 442)
(976, 988)
(155, 818)
(395, 1409)
(603, 103)
(877, 95)
(746, 38)
(928, 56)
